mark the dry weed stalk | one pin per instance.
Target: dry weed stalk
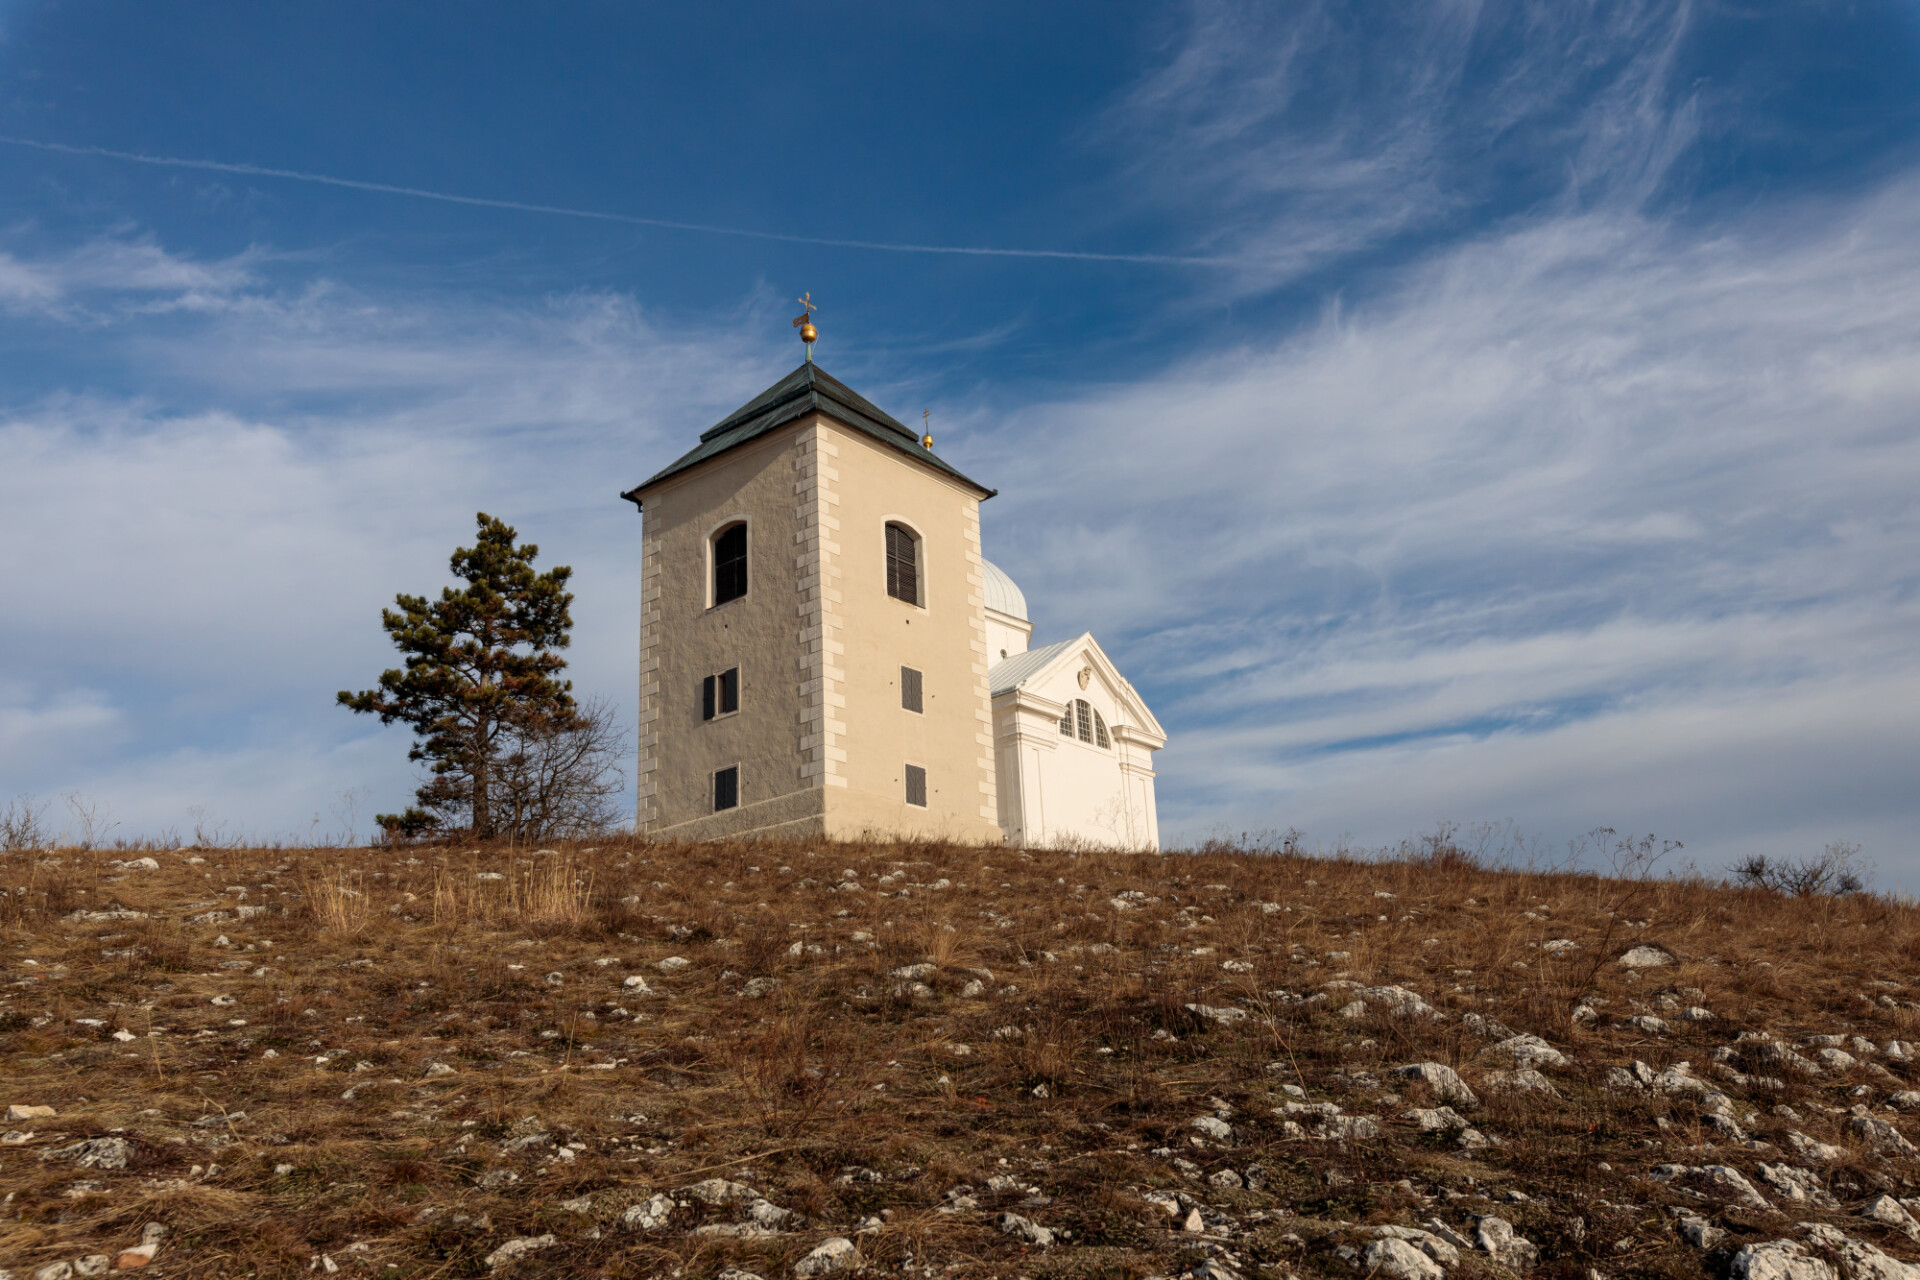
(338, 899)
(554, 890)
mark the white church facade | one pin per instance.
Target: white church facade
(824, 651)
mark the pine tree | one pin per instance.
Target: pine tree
(480, 672)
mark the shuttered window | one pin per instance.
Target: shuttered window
(910, 689)
(730, 563)
(726, 788)
(720, 695)
(903, 564)
(916, 786)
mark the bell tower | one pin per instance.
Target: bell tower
(813, 643)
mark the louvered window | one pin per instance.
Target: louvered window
(730, 563)
(726, 788)
(910, 689)
(903, 564)
(916, 786)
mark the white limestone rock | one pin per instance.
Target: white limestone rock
(1023, 1228)
(1398, 1260)
(1889, 1212)
(93, 1153)
(1801, 1186)
(1443, 1251)
(1780, 1260)
(518, 1248)
(1225, 1015)
(650, 1214)
(833, 1255)
(1696, 1230)
(143, 1253)
(1645, 957)
(1443, 1080)
(1818, 1152)
(1506, 1246)
(1527, 1051)
(1215, 1128)
(1526, 1080)
(1723, 1180)
(1859, 1260)
(1435, 1119)
(1881, 1136)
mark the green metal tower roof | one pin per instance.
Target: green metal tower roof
(808, 389)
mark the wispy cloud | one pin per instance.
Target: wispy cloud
(203, 580)
(1587, 477)
(1300, 136)
(131, 270)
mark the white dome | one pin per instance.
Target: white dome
(1002, 595)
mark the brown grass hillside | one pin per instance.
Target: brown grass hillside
(662, 1060)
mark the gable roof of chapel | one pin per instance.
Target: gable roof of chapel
(808, 389)
(1039, 666)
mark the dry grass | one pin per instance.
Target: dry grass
(275, 1095)
(337, 900)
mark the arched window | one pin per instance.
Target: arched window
(903, 564)
(1086, 724)
(730, 563)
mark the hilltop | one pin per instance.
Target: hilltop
(705, 1061)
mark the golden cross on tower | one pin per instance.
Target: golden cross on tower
(926, 417)
(804, 322)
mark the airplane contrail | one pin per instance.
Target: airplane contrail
(417, 193)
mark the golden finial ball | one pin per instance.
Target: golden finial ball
(926, 442)
(808, 333)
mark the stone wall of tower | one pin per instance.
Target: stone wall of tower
(766, 634)
(821, 738)
(943, 637)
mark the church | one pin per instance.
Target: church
(824, 651)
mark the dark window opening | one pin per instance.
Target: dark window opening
(1066, 722)
(720, 695)
(730, 564)
(1083, 719)
(726, 788)
(910, 689)
(916, 786)
(903, 564)
(1100, 738)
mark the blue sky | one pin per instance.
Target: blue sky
(1443, 412)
